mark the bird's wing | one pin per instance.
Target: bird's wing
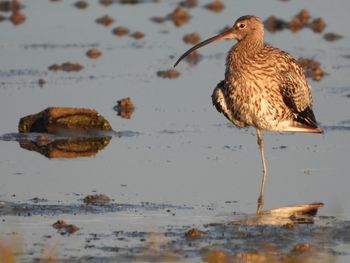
(296, 92)
(220, 103)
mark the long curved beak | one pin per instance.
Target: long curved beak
(227, 34)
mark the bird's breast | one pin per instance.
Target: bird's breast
(255, 99)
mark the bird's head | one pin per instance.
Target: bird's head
(243, 27)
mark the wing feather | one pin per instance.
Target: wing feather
(221, 105)
(296, 92)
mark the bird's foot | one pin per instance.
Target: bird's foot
(260, 205)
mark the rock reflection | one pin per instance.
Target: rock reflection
(14, 6)
(66, 145)
(70, 147)
(9, 6)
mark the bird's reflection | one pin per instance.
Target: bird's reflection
(287, 216)
(283, 215)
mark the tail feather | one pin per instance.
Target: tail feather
(303, 129)
(304, 121)
(295, 126)
(307, 118)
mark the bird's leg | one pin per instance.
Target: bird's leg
(262, 191)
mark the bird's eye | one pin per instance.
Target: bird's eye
(242, 26)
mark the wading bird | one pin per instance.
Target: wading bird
(264, 87)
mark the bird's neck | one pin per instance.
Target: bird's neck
(251, 44)
(242, 54)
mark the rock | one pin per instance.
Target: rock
(125, 108)
(81, 5)
(96, 199)
(312, 68)
(192, 38)
(67, 66)
(65, 228)
(169, 74)
(137, 35)
(71, 229)
(216, 6)
(295, 24)
(94, 53)
(273, 24)
(193, 233)
(59, 224)
(105, 20)
(17, 18)
(179, 16)
(298, 22)
(60, 119)
(303, 16)
(120, 31)
(318, 25)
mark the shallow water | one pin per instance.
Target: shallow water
(181, 152)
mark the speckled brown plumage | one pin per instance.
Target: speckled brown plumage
(264, 87)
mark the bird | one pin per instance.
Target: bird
(264, 87)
